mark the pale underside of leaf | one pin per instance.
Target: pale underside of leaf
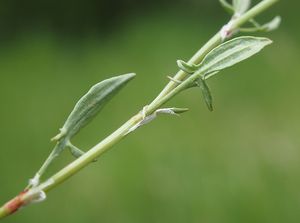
(230, 53)
(91, 103)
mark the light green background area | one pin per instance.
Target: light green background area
(240, 163)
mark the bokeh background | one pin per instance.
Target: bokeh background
(240, 163)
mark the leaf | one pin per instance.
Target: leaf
(272, 25)
(241, 6)
(188, 68)
(171, 111)
(75, 151)
(179, 110)
(231, 53)
(229, 8)
(268, 27)
(91, 103)
(206, 93)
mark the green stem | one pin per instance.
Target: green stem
(58, 147)
(107, 143)
(90, 155)
(168, 92)
(215, 41)
(53, 155)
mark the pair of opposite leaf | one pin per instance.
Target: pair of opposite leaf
(239, 7)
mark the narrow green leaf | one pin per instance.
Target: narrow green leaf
(179, 110)
(206, 93)
(91, 103)
(75, 151)
(241, 6)
(230, 53)
(188, 68)
(227, 6)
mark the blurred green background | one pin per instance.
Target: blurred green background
(240, 163)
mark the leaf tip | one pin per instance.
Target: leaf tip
(188, 68)
(180, 110)
(180, 63)
(210, 107)
(130, 76)
(268, 41)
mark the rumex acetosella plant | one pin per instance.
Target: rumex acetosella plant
(220, 52)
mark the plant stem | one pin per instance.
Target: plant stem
(108, 142)
(171, 89)
(215, 41)
(169, 92)
(91, 155)
(253, 12)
